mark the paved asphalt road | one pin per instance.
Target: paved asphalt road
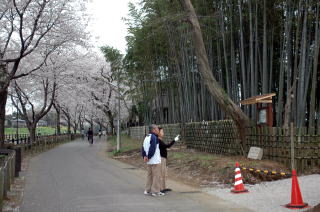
(76, 177)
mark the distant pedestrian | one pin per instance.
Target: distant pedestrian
(151, 155)
(100, 133)
(163, 152)
(90, 136)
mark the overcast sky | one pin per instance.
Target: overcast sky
(106, 25)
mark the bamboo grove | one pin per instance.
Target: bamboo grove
(254, 47)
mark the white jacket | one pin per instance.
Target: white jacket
(147, 146)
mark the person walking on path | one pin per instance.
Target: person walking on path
(151, 155)
(100, 133)
(90, 136)
(163, 152)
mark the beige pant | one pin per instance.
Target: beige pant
(163, 173)
(153, 178)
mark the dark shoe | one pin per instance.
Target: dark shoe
(166, 190)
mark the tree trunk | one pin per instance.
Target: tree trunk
(314, 74)
(265, 59)
(242, 56)
(58, 123)
(256, 60)
(295, 66)
(58, 119)
(32, 130)
(291, 102)
(271, 62)
(234, 85)
(302, 72)
(252, 70)
(3, 101)
(226, 62)
(288, 33)
(111, 119)
(69, 124)
(240, 119)
(280, 89)
(91, 124)
(80, 123)
(75, 127)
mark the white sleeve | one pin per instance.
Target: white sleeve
(146, 144)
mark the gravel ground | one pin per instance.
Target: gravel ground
(271, 196)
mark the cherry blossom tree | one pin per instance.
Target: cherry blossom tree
(32, 108)
(36, 92)
(35, 28)
(90, 93)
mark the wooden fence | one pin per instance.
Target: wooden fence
(276, 145)
(15, 136)
(171, 131)
(221, 137)
(138, 132)
(41, 139)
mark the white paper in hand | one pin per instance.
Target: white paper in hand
(177, 138)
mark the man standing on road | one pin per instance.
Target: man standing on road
(151, 155)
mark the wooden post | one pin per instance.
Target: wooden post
(292, 145)
(269, 115)
(258, 106)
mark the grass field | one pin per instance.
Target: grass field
(40, 130)
(127, 143)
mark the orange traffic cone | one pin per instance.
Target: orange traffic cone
(238, 184)
(296, 198)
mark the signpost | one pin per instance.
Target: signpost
(264, 108)
(264, 116)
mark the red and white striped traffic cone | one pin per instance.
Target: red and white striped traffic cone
(238, 184)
